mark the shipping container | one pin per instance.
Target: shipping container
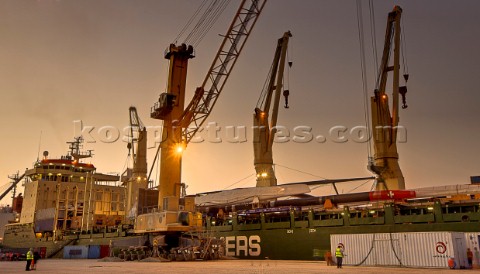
(409, 249)
(104, 251)
(475, 179)
(75, 252)
(43, 252)
(93, 251)
(472, 240)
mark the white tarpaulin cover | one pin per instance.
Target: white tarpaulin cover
(245, 195)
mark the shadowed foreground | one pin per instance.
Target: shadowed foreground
(218, 267)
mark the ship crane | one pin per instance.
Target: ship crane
(181, 123)
(385, 125)
(15, 180)
(137, 176)
(264, 131)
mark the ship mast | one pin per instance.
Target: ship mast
(75, 149)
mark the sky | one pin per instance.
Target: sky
(66, 61)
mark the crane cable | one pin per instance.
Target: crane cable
(289, 62)
(373, 36)
(285, 83)
(190, 21)
(205, 22)
(243, 179)
(263, 95)
(304, 172)
(403, 45)
(210, 22)
(364, 81)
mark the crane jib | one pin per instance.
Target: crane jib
(223, 63)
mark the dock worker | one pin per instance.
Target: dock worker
(339, 256)
(110, 249)
(328, 258)
(29, 259)
(470, 257)
(36, 257)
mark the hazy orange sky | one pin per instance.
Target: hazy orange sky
(64, 61)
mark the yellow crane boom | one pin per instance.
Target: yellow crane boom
(264, 131)
(385, 125)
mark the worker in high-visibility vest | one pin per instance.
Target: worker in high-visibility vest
(29, 259)
(339, 256)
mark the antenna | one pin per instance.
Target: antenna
(39, 144)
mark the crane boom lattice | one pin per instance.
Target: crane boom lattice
(206, 96)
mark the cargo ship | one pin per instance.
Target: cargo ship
(67, 204)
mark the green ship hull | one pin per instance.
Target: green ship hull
(305, 235)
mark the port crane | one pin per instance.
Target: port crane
(137, 179)
(180, 123)
(264, 131)
(385, 125)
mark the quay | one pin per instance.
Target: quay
(94, 266)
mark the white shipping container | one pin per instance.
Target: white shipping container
(409, 249)
(472, 239)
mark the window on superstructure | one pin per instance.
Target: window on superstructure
(121, 206)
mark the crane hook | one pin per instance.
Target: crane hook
(285, 94)
(403, 92)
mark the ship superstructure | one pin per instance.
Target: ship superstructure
(67, 194)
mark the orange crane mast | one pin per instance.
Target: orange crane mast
(180, 124)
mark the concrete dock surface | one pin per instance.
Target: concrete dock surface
(93, 266)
